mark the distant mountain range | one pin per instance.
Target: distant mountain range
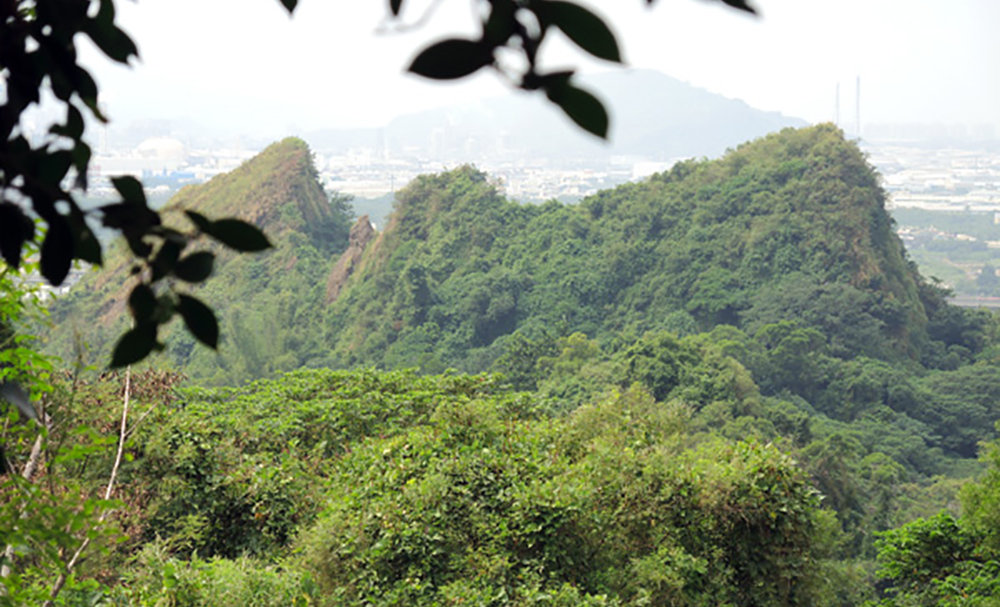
(652, 116)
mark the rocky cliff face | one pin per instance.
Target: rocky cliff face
(362, 233)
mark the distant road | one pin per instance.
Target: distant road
(972, 301)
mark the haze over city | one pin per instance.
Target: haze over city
(244, 67)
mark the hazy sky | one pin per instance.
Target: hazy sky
(244, 66)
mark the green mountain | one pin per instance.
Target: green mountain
(265, 303)
(798, 311)
(789, 226)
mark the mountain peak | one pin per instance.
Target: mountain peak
(278, 190)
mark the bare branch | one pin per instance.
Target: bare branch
(122, 437)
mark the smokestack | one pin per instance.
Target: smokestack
(836, 106)
(857, 106)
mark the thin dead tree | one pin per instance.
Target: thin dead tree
(108, 491)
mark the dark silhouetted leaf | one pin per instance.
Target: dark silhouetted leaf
(168, 233)
(81, 159)
(86, 88)
(196, 267)
(142, 302)
(200, 320)
(582, 108)
(238, 235)
(74, 124)
(553, 80)
(118, 215)
(57, 251)
(15, 229)
(128, 217)
(139, 247)
(88, 248)
(134, 345)
(500, 25)
(199, 220)
(394, 6)
(451, 59)
(289, 5)
(85, 243)
(742, 5)
(52, 168)
(583, 27)
(135, 222)
(114, 42)
(130, 189)
(166, 259)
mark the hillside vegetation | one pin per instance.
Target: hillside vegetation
(779, 256)
(264, 302)
(725, 385)
(389, 488)
(792, 225)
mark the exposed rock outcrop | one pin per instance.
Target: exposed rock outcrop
(362, 233)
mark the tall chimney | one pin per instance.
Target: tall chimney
(857, 106)
(836, 106)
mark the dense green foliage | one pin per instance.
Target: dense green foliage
(20, 362)
(781, 251)
(613, 505)
(365, 487)
(744, 240)
(738, 386)
(726, 385)
(944, 561)
(445, 488)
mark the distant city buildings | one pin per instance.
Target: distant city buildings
(166, 162)
(938, 178)
(930, 167)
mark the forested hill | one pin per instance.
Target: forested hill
(259, 299)
(766, 291)
(724, 385)
(791, 227)
(788, 227)
(279, 191)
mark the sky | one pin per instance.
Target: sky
(245, 66)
